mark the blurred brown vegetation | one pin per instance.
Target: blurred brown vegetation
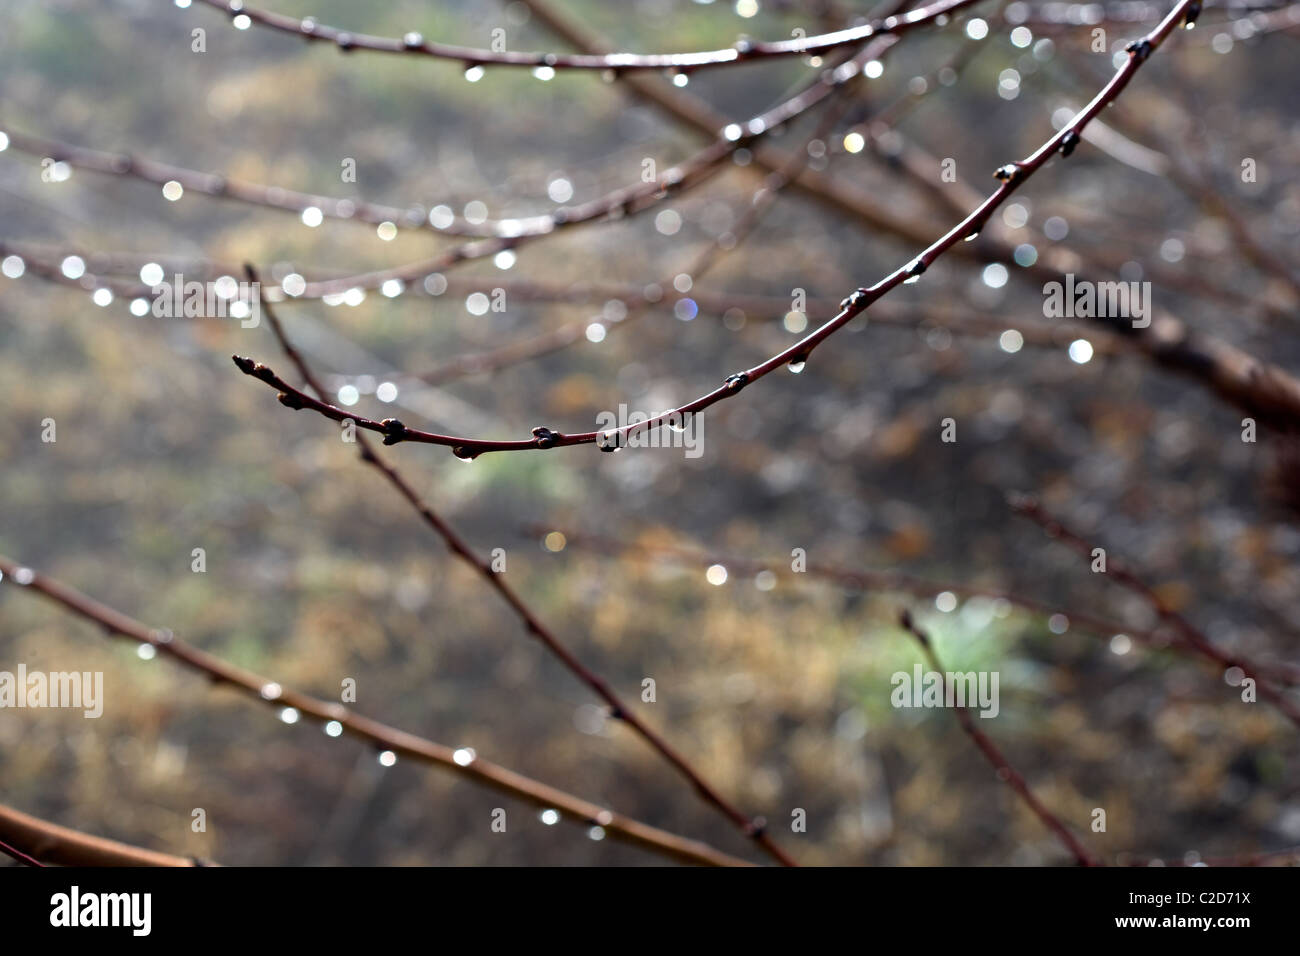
(317, 572)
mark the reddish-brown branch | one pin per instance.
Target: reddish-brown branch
(1191, 636)
(1005, 771)
(1256, 387)
(1011, 176)
(532, 624)
(48, 843)
(744, 51)
(18, 855)
(271, 693)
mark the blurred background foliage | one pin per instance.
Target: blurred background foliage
(317, 572)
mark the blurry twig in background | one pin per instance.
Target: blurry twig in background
(48, 843)
(889, 580)
(491, 236)
(1005, 771)
(638, 302)
(1187, 634)
(1012, 777)
(399, 742)
(860, 580)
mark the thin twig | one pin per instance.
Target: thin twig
(639, 303)
(18, 855)
(1005, 771)
(751, 827)
(1011, 177)
(857, 580)
(869, 580)
(745, 50)
(1257, 387)
(491, 236)
(1188, 633)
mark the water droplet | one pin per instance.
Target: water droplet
(797, 365)
(474, 73)
(464, 454)
(972, 236)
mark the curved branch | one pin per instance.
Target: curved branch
(1011, 177)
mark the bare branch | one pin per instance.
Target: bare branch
(753, 828)
(890, 580)
(49, 843)
(1011, 177)
(1190, 635)
(1005, 771)
(745, 50)
(269, 692)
